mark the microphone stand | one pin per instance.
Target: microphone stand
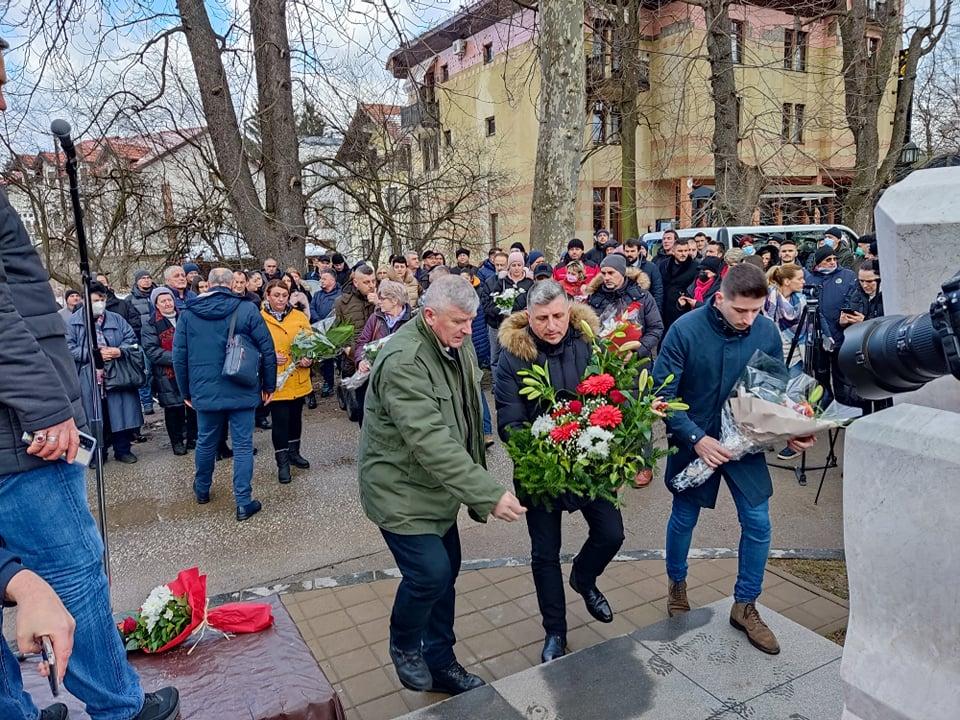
(61, 129)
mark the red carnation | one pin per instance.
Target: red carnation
(617, 397)
(576, 406)
(564, 432)
(128, 625)
(559, 412)
(606, 416)
(597, 385)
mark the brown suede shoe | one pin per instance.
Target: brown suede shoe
(677, 602)
(744, 616)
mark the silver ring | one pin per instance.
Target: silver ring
(40, 438)
(51, 438)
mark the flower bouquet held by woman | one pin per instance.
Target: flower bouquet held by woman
(324, 342)
(594, 442)
(767, 409)
(506, 299)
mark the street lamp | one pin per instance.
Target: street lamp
(909, 154)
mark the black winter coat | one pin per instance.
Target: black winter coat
(497, 284)
(39, 386)
(139, 302)
(835, 287)
(676, 279)
(161, 361)
(602, 299)
(125, 310)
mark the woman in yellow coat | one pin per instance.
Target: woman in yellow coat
(286, 408)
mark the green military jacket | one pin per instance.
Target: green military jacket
(421, 446)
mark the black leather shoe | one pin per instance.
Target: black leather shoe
(126, 458)
(179, 449)
(596, 603)
(164, 704)
(57, 711)
(191, 444)
(454, 679)
(554, 646)
(249, 510)
(411, 669)
(224, 453)
(202, 498)
(264, 424)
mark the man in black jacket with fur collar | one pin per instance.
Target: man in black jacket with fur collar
(547, 333)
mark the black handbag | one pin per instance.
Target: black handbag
(351, 400)
(241, 363)
(127, 372)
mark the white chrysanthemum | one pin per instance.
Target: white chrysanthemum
(595, 442)
(542, 426)
(155, 604)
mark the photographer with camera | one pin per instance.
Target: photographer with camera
(830, 284)
(44, 516)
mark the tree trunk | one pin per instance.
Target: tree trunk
(562, 113)
(632, 68)
(738, 185)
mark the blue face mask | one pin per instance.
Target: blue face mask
(830, 242)
(749, 250)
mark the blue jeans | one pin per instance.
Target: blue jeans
(210, 426)
(45, 521)
(754, 542)
(487, 422)
(146, 390)
(424, 606)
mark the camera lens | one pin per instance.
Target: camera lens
(892, 355)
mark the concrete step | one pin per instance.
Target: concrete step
(694, 667)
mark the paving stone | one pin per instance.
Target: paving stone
(802, 617)
(826, 610)
(368, 686)
(524, 632)
(488, 644)
(703, 595)
(486, 596)
(464, 607)
(499, 574)
(317, 602)
(794, 594)
(354, 662)
(416, 700)
(504, 614)
(626, 572)
(707, 571)
(647, 614)
(814, 696)
(467, 626)
(470, 580)
(583, 637)
(518, 586)
(649, 589)
(385, 708)
(620, 626)
(330, 623)
(528, 603)
(350, 595)
(340, 642)
(482, 704)
(703, 646)
(507, 664)
(368, 611)
(375, 630)
(622, 598)
(385, 589)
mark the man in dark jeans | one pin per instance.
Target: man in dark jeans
(548, 334)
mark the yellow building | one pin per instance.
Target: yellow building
(477, 76)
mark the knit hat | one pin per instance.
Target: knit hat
(543, 270)
(515, 256)
(337, 259)
(191, 267)
(462, 251)
(157, 292)
(69, 294)
(617, 262)
(733, 256)
(575, 243)
(139, 274)
(602, 230)
(822, 254)
(533, 257)
(835, 232)
(713, 264)
(519, 246)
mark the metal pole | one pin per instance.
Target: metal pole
(61, 129)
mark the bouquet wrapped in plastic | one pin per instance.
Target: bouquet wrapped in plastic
(767, 409)
(370, 352)
(321, 343)
(179, 609)
(623, 329)
(505, 300)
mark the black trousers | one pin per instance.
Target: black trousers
(603, 541)
(287, 418)
(181, 423)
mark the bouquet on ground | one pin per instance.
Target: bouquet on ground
(179, 609)
(767, 409)
(591, 443)
(323, 342)
(370, 352)
(505, 299)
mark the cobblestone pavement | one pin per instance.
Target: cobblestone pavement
(314, 526)
(498, 623)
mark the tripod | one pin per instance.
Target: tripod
(814, 345)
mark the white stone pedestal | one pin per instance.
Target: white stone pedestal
(901, 507)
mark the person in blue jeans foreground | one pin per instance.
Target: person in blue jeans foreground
(199, 348)
(51, 545)
(703, 356)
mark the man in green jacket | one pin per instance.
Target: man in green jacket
(421, 458)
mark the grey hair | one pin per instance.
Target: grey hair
(221, 277)
(438, 272)
(168, 272)
(331, 273)
(544, 293)
(363, 270)
(449, 291)
(392, 290)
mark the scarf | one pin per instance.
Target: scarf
(165, 333)
(278, 316)
(700, 288)
(392, 321)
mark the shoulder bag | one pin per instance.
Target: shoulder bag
(241, 364)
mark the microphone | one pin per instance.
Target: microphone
(61, 129)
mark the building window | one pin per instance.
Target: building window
(494, 232)
(786, 116)
(444, 73)
(598, 123)
(448, 138)
(736, 41)
(795, 50)
(616, 219)
(599, 208)
(491, 123)
(487, 53)
(792, 123)
(797, 134)
(739, 111)
(873, 47)
(430, 149)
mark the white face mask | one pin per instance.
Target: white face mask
(98, 307)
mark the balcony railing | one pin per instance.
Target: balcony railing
(424, 113)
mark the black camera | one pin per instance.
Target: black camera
(812, 294)
(901, 353)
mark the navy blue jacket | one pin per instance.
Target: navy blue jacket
(706, 358)
(180, 301)
(321, 305)
(200, 344)
(835, 288)
(486, 270)
(9, 566)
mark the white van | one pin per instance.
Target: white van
(801, 234)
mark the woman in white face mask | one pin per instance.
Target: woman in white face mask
(122, 413)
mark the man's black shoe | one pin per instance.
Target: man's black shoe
(57, 711)
(127, 458)
(312, 401)
(202, 498)
(554, 646)
(596, 603)
(263, 423)
(411, 669)
(164, 704)
(249, 510)
(179, 449)
(224, 453)
(454, 680)
(191, 444)
(326, 391)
